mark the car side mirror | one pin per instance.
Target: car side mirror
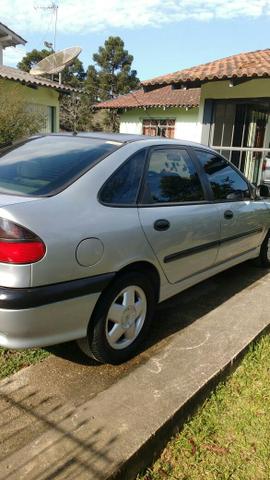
(263, 191)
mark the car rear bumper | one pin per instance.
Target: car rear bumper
(50, 314)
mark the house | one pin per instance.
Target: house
(40, 94)
(234, 108)
(163, 111)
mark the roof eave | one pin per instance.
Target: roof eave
(144, 107)
(18, 40)
(195, 82)
(33, 84)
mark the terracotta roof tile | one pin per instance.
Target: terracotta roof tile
(17, 75)
(244, 65)
(161, 97)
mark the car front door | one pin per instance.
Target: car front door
(242, 219)
(181, 225)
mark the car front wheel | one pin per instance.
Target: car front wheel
(264, 257)
(121, 320)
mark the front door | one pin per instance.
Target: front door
(181, 226)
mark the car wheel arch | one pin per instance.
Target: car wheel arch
(141, 266)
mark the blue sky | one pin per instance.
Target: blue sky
(163, 36)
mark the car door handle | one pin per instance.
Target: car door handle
(161, 224)
(228, 214)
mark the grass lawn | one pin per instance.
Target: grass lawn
(13, 360)
(229, 437)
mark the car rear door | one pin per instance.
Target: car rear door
(242, 219)
(180, 223)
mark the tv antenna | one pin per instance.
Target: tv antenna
(54, 8)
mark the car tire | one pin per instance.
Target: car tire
(264, 257)
(121, 320)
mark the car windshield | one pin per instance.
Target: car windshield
(43, 166)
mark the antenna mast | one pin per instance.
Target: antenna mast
(54, 8)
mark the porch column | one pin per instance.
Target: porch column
(207, 120)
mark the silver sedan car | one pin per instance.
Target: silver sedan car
(96, 229)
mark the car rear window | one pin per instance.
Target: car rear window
(44, 166)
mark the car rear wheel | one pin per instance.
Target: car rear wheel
(121, 320)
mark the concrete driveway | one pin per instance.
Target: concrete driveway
(51, 412)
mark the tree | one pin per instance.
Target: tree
(91, 84)
(113, 75)
(15, 120)
(76, 113)
(74, 75)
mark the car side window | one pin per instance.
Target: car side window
(226, 183)
(172, 177)
(122, 187)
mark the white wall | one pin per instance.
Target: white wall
(186, 121)
(130, 124)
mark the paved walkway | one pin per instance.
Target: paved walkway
(66, 420)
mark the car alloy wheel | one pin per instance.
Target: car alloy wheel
(126, 317)
(121, 321)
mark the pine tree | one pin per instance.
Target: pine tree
(113, 76)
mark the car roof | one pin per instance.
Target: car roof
(129, 138)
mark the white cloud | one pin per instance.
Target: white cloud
(13, 55)
(83, 16)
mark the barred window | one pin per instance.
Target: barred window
(159, 127)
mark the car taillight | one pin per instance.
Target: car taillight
(19, 245)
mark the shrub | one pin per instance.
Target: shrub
(15, 120)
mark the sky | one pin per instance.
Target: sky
(162, 35)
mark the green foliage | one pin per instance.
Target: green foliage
(13, 360)
(76, 113)
(111, 76)
(91, 84)
(15, 120)
(74, 75)
(115, 75)
(229, 437)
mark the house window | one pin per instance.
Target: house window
(160, 128)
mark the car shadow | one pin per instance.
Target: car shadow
(180, 311)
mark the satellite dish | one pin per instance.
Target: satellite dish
(56, 62)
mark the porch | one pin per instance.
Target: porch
(240, 131)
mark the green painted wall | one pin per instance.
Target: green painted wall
(38, 96)
(259, 87)
(256, 88)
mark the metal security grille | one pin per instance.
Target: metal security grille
(240, 130)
